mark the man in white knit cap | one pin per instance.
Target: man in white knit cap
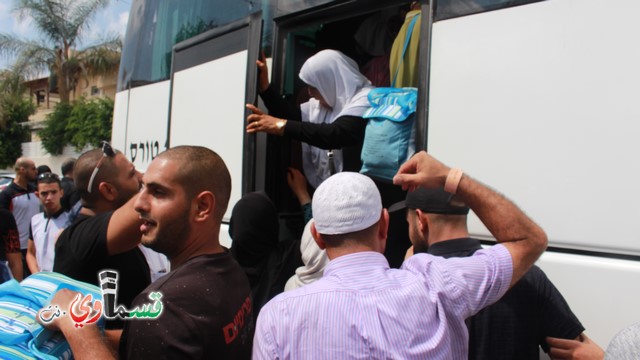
(363, 309)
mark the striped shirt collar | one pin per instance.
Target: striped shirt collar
(353, 268)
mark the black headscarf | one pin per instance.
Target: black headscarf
(254, 230)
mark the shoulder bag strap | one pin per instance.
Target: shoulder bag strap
(406, 44)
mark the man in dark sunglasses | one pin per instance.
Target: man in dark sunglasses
(106, 233)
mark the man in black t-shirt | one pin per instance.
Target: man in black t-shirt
(19, 197)
(71, 195)
(206, 300)
(106, 234)
(10, 244)
(517, 325)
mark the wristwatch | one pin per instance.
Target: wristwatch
(280, 125)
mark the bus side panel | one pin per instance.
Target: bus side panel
(144, 115)
(119, 127)
(603, 293)
(540, 102)
(208, 110)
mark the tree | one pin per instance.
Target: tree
(90, 122)
(54, 135)
(79, 123)
(14, 110)
(61, 24)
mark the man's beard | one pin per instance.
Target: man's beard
(171, 235)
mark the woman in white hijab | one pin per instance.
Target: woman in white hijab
(331, 119)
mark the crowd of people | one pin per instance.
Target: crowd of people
(339, 291)
(450, 299)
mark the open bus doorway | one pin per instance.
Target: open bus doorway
(363, 31)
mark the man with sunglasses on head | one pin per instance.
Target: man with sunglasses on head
(106, 233)
(47, 225)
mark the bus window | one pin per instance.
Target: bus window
(156, 26)
(362, 38)
(448, 9)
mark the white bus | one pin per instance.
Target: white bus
(534, 97)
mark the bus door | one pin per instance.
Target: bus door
(365, 32)
(213, 76)
(362, 30)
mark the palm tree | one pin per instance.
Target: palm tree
(61, 24)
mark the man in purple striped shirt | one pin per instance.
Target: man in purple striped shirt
(362, 309)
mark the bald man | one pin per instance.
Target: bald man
(207, 308)
(20, 198)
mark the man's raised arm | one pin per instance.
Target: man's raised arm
(507, 223)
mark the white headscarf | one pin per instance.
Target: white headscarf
(345, 89)
(314, 259)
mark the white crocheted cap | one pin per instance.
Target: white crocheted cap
(346, 202)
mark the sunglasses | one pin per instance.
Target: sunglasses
(47, 175)
(107, 151)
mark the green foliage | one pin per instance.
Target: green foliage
(54, 135)
(14, 111)
(90, 122)
(81, 123)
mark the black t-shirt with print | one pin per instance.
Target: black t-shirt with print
(9, 238)
(207, 313)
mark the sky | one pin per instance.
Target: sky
(112, 19)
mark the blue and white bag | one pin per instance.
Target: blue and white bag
(389, 138)
(21, 336)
